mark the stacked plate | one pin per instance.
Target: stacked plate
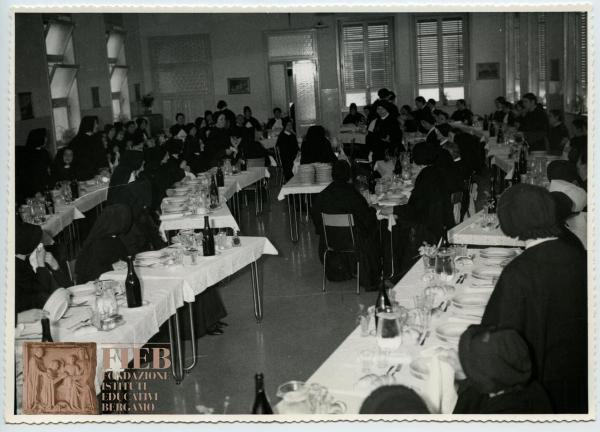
(323, 172)
(472, 304)
(306, 174)
(450, 332)
(487, 273)
(150, 258)
(496, 252)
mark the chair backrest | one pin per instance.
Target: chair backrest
(255, 163)
(341, 232)
(277, 156)
(456, 201)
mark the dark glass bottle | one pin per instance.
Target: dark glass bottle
(214, 193)
(74, 189)
(486, 124)
(445, 243)
(493, 201)
(516, 177)
(46, 335)
(492, 130)
(220, 177)
(49, 201)
(500, 138)
(522, 161)
(261, 403)
(398, 167)
(243, 162)
(208, 239)
(382, 304)
(133, 288)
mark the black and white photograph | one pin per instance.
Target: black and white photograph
(308, 215)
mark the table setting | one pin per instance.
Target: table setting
(415, 340)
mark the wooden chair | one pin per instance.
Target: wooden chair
(348, 246)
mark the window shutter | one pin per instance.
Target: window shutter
(453, 59)
(380, 56)
(427, 52)
(353, 57)
(583, 53)
(541, 27)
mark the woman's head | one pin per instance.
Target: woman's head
(289, 126)
(405, 110)
(315, 133)
(383, 109)
(394, 399)
(367, 110)
(424, 153)
(88, 125)
(37, 138)
(499, 102)
(191, 129)
(130, 127)
(110, 131)
(221, 121)
(353, 109)
(247, 112)
(27, 237)
(341, 172)
(528, 212)
(67, 156)
(221, 105)
(277, 113)
(239, 120)
(494, 359)
(141, 123)
(208, 117)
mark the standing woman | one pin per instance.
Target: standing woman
(287, 144)
(89, 151)
(33, 165)
(316, 147)
(218, 142)
(383, 133)
(542, 294)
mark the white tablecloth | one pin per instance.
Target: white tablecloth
(194, 279)
(294, 186)
(341, 372)
(471, 232)
(220, 218)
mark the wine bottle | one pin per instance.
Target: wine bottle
(500, 138)
(522, 161)
(214, 193)
(516, 176)
(49, 201)
(46, 335)
(220, 177)
(236, 239)
(261, 403)
(208, 239)
(133, 288)
(382, 304)
(398, 167)
(493, 201)
(486, 123)
(492, 130)
(445, 243)
(74, 189)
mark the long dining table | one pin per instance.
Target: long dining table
(345, 371)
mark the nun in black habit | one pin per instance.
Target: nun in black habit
(498, 368)
(33, 287)
(341, 197)
(287, 144)
(542, 294)
(104, 245)
(90, 154)
(32, 165)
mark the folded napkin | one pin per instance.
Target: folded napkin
(438, 390)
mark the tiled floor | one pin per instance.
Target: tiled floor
(301, 325)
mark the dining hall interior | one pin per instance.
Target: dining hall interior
(315, 213)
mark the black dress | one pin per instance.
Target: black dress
(99, 258)
(530, 399)
(534, 124)
(543, 294)
(288, 150)
(317, 151)
(32, 171)
(463, 115)
(217, 143)
(340, 198)
(385, 128)
(89, 156)
(555, 136)
(32, 289)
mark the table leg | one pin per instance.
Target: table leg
(257, 296)
(175, 341)
(293, 219)
(193, 338)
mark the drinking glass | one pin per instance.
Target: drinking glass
(389, 331)
(444, 265)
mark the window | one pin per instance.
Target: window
(581, 89)
(542, 62)
(440, 58)
(117, 69)
(366, 60)
(62, 73)
(513, 56)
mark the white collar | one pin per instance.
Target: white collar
(385, 116)
(457, 159)
(535, 242)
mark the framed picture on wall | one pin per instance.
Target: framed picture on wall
(25, 106)
(488, 71)
(238, 85)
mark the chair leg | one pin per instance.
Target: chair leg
(324, 264)
(357, 277)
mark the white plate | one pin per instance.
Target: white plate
(450, 332)
(150, 254)
(471, 301)
(495, 262)
(57, 304)
(487, 273)
(495, 252)
(419, 367)
(389, 203)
